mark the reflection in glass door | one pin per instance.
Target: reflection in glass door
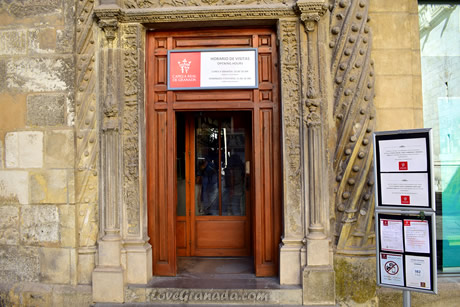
(217, 153)
(219, 162)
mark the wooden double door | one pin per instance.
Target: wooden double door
(213, 156)
(213, 184)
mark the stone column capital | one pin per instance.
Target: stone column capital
(311, 12)
(110, 27)
(107, 16)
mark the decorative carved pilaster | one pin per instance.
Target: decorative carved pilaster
(291, 245)
(314, 93)
(353, 77)
(290, 78)
(110, 132)
(109, 272)
(318, 274)
(131, 197)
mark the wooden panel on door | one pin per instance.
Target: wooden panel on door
(159, 203)
(266, 228)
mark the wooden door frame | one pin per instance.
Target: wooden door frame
(264, 103)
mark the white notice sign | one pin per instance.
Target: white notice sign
(403, 155)
(391, 235)
(391, 269)
(407, 189)
(228, 69)
(418, 274)
(417, 236)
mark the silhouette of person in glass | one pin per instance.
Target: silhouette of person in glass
(207, 176)
(233, 194)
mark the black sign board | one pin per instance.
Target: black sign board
(406, 251)
(404, 169)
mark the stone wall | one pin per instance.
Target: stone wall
(396, 51)
(38, 236)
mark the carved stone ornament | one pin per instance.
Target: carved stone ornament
(311, 13)
(290, 78)
(110, 27)
(134, 4)
(353, 73)
(131, 41)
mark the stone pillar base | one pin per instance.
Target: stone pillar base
(318, 285)
(108, 285)
(318, 253)
(138, 263)
(290, 263)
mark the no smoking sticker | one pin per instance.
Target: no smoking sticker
(391, 269)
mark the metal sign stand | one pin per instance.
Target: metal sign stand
(406, 298)
(405, 209)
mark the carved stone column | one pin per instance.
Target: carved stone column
(318, 274)
(293, 231)
(108, 276)
(137, 251)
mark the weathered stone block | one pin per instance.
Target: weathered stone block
(138, 264)
(108, 285)
(71, 296)
(18, 263)
(87, 224)
(12, 104)
(355, 279)
(86, 264)
(30, 8)
(42, 40)
(13, 42)
(67, 226)
(24, 149)
(2, 75)
(30, 149)
(396, 34)
(40, 74)
(31, 294)
(86, 186)
(46, 110)
(393, 119)
(14, 187)
(11, 150)
(40, 224)
(49, 187)
(9, 225)
(59, 149)
(1, 154)
(318, 285)
(54, 265)
(400, 88)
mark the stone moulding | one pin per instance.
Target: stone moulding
(162, 15)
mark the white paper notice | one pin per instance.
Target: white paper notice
(418, 274)
(405, 189)
(391, 235)
(391, 269)
(403, 155)
(417, 236)
(228, 69)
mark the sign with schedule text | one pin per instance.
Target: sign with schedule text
(212, 69)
